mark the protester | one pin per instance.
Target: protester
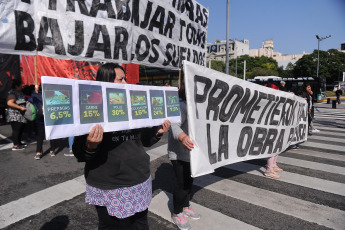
(338, 93)
(117, 168)
(179, 145)
(29, 130)
(306, 94)
(36, 100)
(312, 128)
(271, 166)
(3, 105)
(69, 153)
(282, 86)
(271, 85)
(53, 146)
(16, 108)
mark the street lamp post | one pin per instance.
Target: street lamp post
(227, 38)
(318, 52)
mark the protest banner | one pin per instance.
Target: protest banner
(231, 120)
(72, 107)
(154, 33)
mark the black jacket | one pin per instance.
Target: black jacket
(120, 159)
(338, 92)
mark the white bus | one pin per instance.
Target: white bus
(265, 78)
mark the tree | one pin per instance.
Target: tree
(331, 64)
(255, 66)
(288, 72)
(218, 65)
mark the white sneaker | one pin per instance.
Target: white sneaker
(315, 131)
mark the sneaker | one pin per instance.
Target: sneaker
(24, 144)
(181, 221)
(38, 156)
(272, 175)
(18, 147)
(315, 131)
(52, 153)
(69, 154)
(295, 147)
(189, 212)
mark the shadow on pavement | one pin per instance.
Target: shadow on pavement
(57, 223)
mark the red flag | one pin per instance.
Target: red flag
(47, 66)
(132, 73)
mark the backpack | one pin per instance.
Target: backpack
(36, 101)
(39, 107)
(30, 113)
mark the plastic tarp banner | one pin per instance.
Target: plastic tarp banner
(72, 107)
(231, 120)
(153, 33)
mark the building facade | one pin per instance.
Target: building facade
(217, 50)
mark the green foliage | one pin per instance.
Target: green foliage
(332, 64)
(255, 66)
(218, 65)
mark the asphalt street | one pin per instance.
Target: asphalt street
(49, 193)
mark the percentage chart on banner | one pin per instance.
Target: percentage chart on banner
(158, 112)
(140, 112)
(173, 109)
(118, 112)
(91, 113)
(60, 115)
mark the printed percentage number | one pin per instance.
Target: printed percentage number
(91, 113)
(59, 115)
(173, 109)
(117, 112)
(140, 112)
(158, 112)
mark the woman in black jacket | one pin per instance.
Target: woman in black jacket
(117, 168)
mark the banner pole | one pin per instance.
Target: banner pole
(179, 78)
(35, 66)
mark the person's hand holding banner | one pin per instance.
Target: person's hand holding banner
(164, 127)
(94, 138)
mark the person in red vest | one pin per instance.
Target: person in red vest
(270, 84)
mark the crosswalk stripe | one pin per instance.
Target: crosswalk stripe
(328, 117)
(293, 178)
(35, 203)
(338, 135)
(320, 214)
(339, 143)
(208, 216)
(328, 128)
(319, 154)
(312, 165)
(325, 138)
(325, 147)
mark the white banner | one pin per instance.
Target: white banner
(231, 120)
(72, 107)
(153, 33)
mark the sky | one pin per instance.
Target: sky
(291, 24)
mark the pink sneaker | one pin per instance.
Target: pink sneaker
(181, 221)
(189, 212)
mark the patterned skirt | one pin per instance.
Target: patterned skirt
(122, 202)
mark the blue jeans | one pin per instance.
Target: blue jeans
(70, 142)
